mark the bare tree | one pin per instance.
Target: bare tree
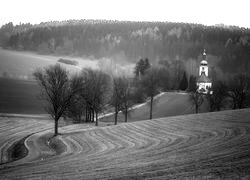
(196, 100)
(126, 97)
(217, 96)
(57, 89)
(96, 90)
(239, 87)
(116, 100)
(121, 96)
(76, 108)
(151, 85)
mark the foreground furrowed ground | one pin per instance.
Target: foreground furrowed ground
(203, 146)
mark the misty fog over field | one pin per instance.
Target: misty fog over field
(21, 65)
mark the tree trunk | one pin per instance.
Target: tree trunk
(56, 126)
(89, 115)
(234, 104)
(126, 114)
(241, 102)
(96, 118)
(93, 115)
(79, 117)
(86, 114)
(196, 108)
(211, 108)
(116, 113)
(151, 107)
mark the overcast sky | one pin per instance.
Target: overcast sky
(208, 12)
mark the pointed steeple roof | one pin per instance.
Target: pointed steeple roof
(204, 54)
(204, 58)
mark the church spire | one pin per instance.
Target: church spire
(204, 55)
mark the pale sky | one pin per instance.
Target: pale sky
(208, 12)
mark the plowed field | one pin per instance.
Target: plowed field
(202, 146)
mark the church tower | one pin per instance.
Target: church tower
(203, 65)
(204, 83)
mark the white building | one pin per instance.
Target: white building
(204, 83)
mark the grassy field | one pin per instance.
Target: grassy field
(202, 146)
(165, 104)
(19, 96)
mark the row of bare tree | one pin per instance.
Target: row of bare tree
(85, 95)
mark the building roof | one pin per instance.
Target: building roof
(203, 79)
(203, 62)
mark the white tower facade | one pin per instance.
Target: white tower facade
(204, 83)
(203, 65)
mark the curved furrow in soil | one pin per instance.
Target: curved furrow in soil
(13, 130)
(203, 146)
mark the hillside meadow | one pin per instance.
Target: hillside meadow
(165, 104)
(201, 146)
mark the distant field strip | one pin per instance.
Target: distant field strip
(203, 146)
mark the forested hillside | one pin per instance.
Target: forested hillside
(228, 47)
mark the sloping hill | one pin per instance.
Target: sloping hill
(165, 104)
(202, 146)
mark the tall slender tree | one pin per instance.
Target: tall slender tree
(239, 87)
(116, 100)
(151, 85)
(121, 98)
(97, 90)
(196, 99)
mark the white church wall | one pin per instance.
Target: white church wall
(203, 69)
